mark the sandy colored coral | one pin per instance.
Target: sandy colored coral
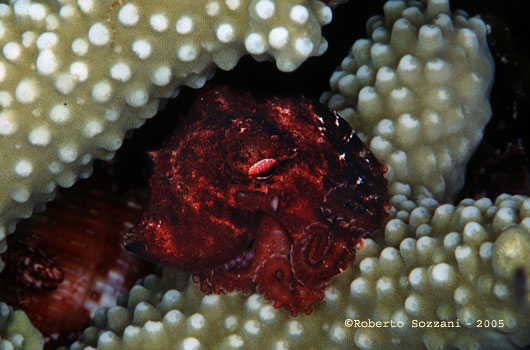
(417, 92)
(76, 75)
(432, 263)
(17, 332)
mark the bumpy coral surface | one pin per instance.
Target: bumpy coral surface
(433, 263)
(16, 331)
(76, 75)
(417, 92)
(293, 193)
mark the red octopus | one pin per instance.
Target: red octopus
(267, 194)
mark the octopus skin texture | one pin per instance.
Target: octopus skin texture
(65, 263)
(273, 194)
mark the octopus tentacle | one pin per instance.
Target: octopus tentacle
(431, 263)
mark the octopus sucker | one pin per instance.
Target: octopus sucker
(284, 209)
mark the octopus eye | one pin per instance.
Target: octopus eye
(263, 168)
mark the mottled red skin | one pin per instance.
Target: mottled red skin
(272, 194)
(63, 264)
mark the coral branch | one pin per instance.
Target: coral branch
(76, 75)
(417, 92)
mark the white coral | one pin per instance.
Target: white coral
(76, 75)
(417, 93)
(432, 263)
(17, 332)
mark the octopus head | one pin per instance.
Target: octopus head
(254, 193)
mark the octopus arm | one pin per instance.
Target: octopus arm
(434, 263)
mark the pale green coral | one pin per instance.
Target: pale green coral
(76, 75)
(433, 262)
(417, 93)
(17, 332)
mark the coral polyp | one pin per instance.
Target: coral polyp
(272, 194)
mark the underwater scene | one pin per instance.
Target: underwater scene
(264, 174)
